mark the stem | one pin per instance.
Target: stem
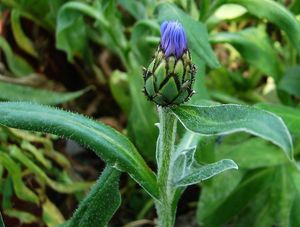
(167, 131)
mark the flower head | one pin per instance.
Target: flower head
(170, 76)
(173, 39)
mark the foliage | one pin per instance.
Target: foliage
(23, 165)
(246, 52)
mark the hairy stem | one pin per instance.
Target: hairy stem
(167, 131)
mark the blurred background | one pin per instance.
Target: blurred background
(86, 56)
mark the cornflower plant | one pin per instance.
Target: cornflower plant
(168, 83)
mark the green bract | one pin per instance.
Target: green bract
(168, 81)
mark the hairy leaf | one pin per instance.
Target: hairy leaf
(291, 116)
(198, 173)
(101, 202)
(230, 118)
(110, 145)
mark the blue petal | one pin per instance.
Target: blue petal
(173, 39)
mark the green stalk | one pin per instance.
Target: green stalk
(165, 207)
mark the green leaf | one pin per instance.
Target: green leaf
(230, 118)
(71, 31)
(18, 66)
(290, 81)
(273, 12)
(38, 154)
(22, 40)
(142, 118)
(225, 12)
(135, 8)
(101, 203)
(215, 191)
(196, 32)
(119, 87)
(57, 186)
(110, 145)
(254, 46)
(7, 192)
(294, 217)
(39, 12)
(237, 200)
(1, 221)
(14, 170)
(22, 216)
(199, 173)
(282, 195)
(274, 204)
(291, 116)
(14, 92)
(252, 153)
(51, 216)
(143, 34)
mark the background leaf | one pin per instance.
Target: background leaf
(58, 186)
(291, 116)
(224, 119)
(1, 221)
(254, 46)
(240, 197)
(22, 40)
(135, 8)
(51, 214)
(251, 153)
(273, 12)
(21, 190)
(290, 81)
(71, 30)
(24, 217)
(18, 66)
(14, 92)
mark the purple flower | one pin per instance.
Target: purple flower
(173, 39)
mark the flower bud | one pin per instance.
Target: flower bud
(170, 75)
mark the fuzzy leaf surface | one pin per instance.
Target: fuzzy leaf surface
(107, 143)
(230, 118)
(195, 173)
(101, 202)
